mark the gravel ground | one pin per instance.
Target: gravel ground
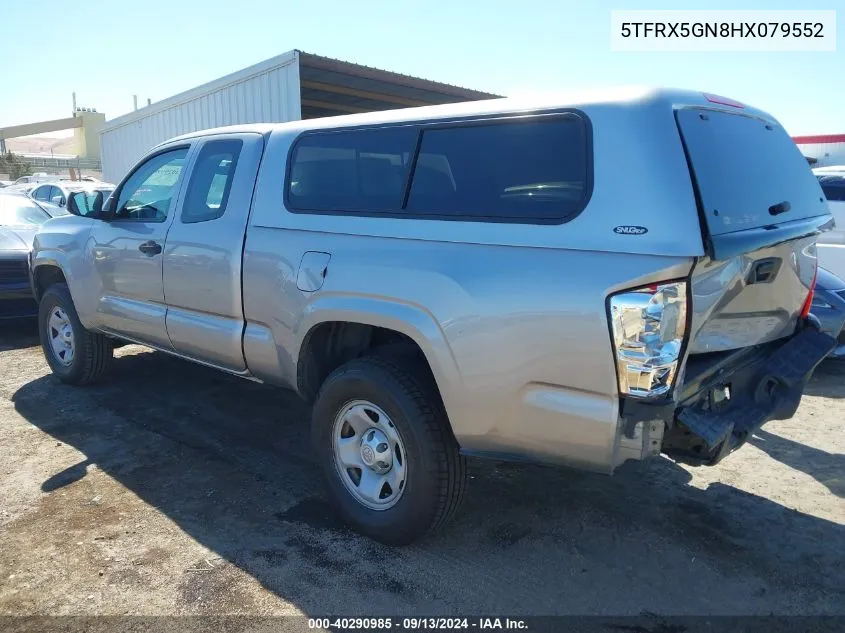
(173, 489)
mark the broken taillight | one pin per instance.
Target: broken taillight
(648, 325)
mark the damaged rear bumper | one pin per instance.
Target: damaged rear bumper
(720, 406)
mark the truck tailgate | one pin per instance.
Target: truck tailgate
(761, 210)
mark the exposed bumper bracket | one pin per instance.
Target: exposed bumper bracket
(772, 391)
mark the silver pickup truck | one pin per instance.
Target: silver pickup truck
(580, 281)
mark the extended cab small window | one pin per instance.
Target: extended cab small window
(356, 170)
(211, 180)
(535, 169)
(146, 194)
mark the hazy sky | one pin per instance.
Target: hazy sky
(107, 51)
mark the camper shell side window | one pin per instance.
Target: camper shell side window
(533, 169)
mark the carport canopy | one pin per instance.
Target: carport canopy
(330, 87)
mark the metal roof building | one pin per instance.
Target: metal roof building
(289, 87)
(825, 149)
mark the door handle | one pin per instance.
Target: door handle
(764, 271)
(150, 248)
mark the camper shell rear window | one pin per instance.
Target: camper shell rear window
(520, 169)
(748, 172)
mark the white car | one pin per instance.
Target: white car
(56, 194)
(36, 178)
(830, 169)
(831, 245)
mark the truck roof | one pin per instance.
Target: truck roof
(638, 97)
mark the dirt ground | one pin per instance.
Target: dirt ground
(173, 489)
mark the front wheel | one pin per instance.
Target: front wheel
(384, 443)
(76, 355)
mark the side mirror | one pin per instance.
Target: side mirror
(104, 210)
(59, 201)
(87, 204)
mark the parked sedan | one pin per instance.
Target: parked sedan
(20, 187)
(50, 209)
(830, 169)
(20, 218)
(829, 306)
(832, 243)
(55, 195)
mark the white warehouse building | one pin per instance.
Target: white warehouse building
(290, 87)
(824, 150)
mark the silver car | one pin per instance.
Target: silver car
(578, 281)
(57, 194)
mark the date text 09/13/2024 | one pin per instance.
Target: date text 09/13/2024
(417, 623)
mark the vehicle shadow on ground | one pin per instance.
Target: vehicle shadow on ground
(229, 462)
(828, 381)
(18, 334)
(826, 468)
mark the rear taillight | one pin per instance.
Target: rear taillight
(649, 325)
(808, 302)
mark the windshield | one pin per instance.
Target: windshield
(20, 211)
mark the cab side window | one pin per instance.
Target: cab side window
(211, 180)
(146, 195)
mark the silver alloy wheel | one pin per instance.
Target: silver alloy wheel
(61, 336)
(369, 455)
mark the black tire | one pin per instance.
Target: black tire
(92, 352)
(436, 470)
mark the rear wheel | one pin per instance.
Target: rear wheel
(387, 452)
(76, 356)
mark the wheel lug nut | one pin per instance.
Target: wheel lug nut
(381, 447)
